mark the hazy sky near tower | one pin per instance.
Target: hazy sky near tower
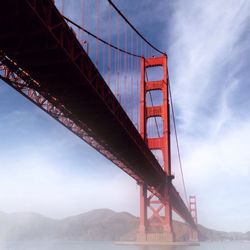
(46, 169)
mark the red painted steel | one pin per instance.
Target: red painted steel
(193, 233)
(160, 221)
(42, 59)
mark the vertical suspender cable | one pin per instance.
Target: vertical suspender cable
(125, 71)
(118, 59)
(82, 10)
(177, 142)
(132, 72)
(62, 7)
(97, 28)
(137, 85)
(109, 39)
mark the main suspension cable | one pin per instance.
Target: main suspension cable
(100, 39)
(177, 142)
(135, 30)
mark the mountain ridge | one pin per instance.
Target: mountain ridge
(98, 224)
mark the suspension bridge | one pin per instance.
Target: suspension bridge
(92, 72)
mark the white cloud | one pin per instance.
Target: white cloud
(203, 38)
(204, 58)
(33, 182)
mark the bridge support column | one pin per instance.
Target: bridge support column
(155, 217)
(193, 234)
(143, 213)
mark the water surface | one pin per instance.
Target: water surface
(83, 245)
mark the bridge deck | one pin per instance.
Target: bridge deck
(35, 36)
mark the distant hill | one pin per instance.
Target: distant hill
(213, 235)
(101, 224)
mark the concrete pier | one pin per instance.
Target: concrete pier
(157, 243)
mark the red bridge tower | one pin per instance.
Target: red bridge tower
(193, 210)
(156, 226)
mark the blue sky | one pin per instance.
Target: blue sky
(46, 169)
